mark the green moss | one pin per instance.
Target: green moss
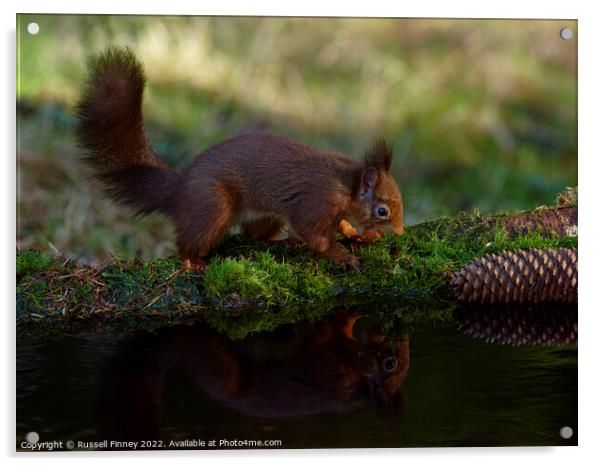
(32, 261)
(532, 239)
(264, 279)
(152, 285)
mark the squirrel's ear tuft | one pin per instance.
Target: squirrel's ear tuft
(380, 155)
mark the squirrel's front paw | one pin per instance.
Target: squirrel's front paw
(351, 261)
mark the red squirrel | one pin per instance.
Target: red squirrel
(259, 182)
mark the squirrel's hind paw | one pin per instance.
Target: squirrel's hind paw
(197, 265)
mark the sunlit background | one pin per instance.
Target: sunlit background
(481, 113)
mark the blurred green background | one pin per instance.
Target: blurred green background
(481, 113)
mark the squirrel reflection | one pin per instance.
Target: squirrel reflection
(334, 365)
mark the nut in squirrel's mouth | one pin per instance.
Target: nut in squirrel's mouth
(362, 233)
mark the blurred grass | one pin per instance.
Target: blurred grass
(482, 114)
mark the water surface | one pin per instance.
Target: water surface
(335, 382)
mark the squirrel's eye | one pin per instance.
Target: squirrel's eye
(389, 364)
(382, 212)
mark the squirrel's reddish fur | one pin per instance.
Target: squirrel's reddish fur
(259, 181)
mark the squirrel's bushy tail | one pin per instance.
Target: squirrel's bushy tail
(111, 130)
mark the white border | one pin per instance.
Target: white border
(590, 153)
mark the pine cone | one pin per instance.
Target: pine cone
(533, 276)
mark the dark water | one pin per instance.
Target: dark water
(327, 384)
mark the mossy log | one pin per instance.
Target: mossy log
(245, 275)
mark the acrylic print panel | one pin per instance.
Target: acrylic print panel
(125, 342)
